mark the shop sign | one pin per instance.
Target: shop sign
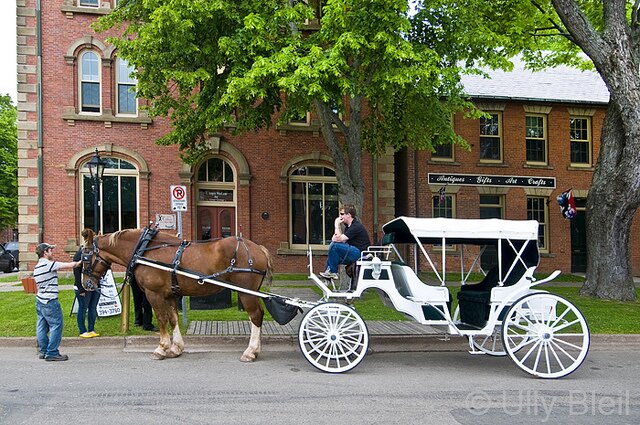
(166, 221)
(490, 180)
(213, 195)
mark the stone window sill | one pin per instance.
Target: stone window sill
(70, 9)
(443, 162)
(580, 168)
(492, 164)
(107, 118)
(538, 166)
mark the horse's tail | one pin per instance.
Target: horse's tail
(268, 277)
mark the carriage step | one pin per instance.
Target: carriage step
(467, 326)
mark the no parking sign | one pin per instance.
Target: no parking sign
(178, 198)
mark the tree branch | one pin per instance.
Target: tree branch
(583, 33)
(554, 24)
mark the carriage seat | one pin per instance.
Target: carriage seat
(400, 280)
(474, 300)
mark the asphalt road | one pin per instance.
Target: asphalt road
(102, 385)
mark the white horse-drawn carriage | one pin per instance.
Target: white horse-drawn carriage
(543, 333)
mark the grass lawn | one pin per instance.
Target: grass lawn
(606, 317)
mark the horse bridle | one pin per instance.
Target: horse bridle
(88, 267)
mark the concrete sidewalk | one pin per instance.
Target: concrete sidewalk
(275, 343)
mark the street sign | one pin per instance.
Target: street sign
(166, 221)
(178, 198)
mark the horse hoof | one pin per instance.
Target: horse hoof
(158, 355)
(247, 359)
(173, 353)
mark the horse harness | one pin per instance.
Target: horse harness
(149, 233)
(88, 267)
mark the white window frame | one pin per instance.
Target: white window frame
(448, 247)
(544, 139)
(84, 172)
(499, 137)
(306, 180)
(213, 185)
(302, 123)
(81, 80)
(588, 141)
(544, 224)
(499, 206)
(97, 5)
(124, 80)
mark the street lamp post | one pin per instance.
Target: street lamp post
(96, 168)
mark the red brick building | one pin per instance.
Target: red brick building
(74, 98)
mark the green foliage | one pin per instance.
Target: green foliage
(8, 163)
(208, 64)
(603, 317)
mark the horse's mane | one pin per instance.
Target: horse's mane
(113, 238)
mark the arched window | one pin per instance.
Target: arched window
(216, 199)
(118, 196)
(89, 82)
(126, 88)
(313, 194)
(215, 170)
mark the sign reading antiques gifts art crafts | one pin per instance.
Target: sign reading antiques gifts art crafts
(489, 180)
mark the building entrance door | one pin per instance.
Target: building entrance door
(579, 239)
(216, 222)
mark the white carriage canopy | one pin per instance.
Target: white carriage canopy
(516, 242)
(455, 230)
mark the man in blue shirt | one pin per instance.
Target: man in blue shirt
(346, 246)
(48, 310)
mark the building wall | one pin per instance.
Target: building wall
(69, 138)
(419, 192)
(54, 140)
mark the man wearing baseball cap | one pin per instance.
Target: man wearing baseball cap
(50, 319)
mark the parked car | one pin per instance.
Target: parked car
(7, 261)
(12, 247)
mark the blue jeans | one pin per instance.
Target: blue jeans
(49, 320)
(87, 302)
(341, 253)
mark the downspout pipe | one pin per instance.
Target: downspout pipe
(375, 200)
(39, 115)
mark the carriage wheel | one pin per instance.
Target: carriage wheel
(490, 344)
(333, 337)
(545, 335)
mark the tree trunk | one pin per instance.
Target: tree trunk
(348, 161)
(611, 205)
(614, 196)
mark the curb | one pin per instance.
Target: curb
(217, 343)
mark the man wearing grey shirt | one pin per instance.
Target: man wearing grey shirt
(50, 319)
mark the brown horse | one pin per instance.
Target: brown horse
(235, 260)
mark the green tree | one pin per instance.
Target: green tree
(585, 33)
(395, 74)
(207, 63)
(8, 163)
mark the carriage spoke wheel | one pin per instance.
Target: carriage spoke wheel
(333, 337)
(490, 344)
(545, 335)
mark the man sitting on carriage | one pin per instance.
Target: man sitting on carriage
(346, 246)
